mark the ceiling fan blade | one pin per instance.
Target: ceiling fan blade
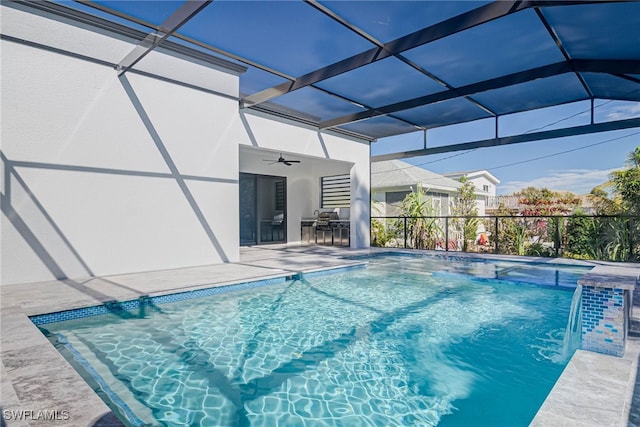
(281, 160)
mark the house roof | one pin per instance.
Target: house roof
(473, 174)
(396, 173)
(382, 68)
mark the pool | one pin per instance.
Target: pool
(408, 340)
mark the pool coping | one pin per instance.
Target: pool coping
(594, 390)
(35, 378)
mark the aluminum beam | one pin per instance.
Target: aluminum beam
(402, 58)
(437, 31)
(561, 47)
(575, 65)
(178, 18)
(456, 24)
(516, 139)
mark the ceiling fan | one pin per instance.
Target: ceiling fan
(282, 160)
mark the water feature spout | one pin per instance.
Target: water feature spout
(573, 332)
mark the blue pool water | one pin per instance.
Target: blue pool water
(404, 341)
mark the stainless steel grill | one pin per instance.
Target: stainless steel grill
(324, 218)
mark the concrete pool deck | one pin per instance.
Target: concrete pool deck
(38, 387)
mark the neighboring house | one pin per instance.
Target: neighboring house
(158, 168)
(392, 180)
(485, 185)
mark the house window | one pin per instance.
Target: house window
(336, 191)
(392, 197)
(393, 200)
(440, 201)
(485, 188)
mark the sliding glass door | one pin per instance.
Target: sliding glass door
(263, 208)
(248, 210)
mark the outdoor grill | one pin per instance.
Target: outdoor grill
(325, 228)
(324, 218)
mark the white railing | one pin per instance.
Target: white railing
(511, 202)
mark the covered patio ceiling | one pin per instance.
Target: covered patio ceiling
(384, 68)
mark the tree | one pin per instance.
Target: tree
(511, 233)
(466, 198)
(601, 202)
(610, 238)
(465, 206)
(380, 235)
(627, 183)
(544, 202)
(583, 240)
(422, 226)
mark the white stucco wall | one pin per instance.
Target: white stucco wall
(480, 181)
(106, 175)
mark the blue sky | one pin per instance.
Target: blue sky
(588, 161)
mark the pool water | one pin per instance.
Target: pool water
(404, 341)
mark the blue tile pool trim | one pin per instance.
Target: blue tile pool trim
(111, 306)
(113, 396)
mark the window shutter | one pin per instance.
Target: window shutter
(336, 191)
